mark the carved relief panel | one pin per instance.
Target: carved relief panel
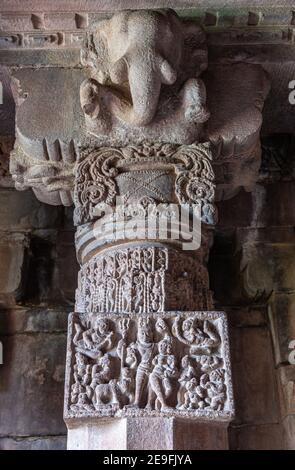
(170, 364)
(143, 278)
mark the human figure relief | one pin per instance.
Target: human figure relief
(216, 389)
(95, 340)
(111, 287)
(138, 293)
(188, 372)
(208, 363)
(194, 396)
(101, 371)
(159, 381)
(199, 339)
(156, 299)
(78, 374)
(126, 293)
(131, 356)
(146, 348)
(83, 402)
(122, 344)
(161, 327)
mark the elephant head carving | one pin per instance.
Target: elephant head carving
(133, 56)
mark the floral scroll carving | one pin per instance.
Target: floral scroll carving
(176, 364)
(100, 174)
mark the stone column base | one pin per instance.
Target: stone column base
(147, 434)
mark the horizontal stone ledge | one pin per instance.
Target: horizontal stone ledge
(68, 16)
(111, 5)
(54, 57)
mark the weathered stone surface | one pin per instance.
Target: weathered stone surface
(289, 432)
(37, 57)
(271, 210)
(33, 320)
(20, 211)
(111, 5)
(66, 272)
(240, 317)
(282, 318)
(277, 162)
(254, 380)
(61, 117)
(13, 255)
(6, 145)
(102, 435)
(279, 113)
(286, 383)
(261, 208)
(33, 443)
(139, 434)
(261, 265)
(198, 436)
(236, 153)
(256, 437)
(7, 107)
(259, 261)
(36, 379)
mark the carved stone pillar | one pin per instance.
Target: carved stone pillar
(145, 349)
(147, 354)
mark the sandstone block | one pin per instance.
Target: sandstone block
(255, 388)
(33, 443)
(282, 318)
(13, 255)
(261, 437)
(32, 382)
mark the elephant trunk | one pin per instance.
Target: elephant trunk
(145, 87)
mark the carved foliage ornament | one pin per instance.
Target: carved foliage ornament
(173, 364)
(52, 179)
(100, 171)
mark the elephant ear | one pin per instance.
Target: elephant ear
(95, 53)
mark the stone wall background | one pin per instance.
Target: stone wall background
(252, 272)
(37, 280)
